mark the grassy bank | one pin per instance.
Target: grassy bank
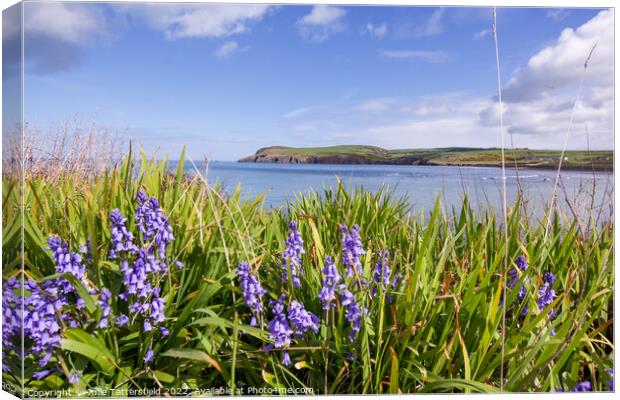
(438, 328)
(356, 154)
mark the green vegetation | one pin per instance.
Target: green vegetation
(354, 154)
(441, 333)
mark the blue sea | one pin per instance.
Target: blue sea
(420, 184)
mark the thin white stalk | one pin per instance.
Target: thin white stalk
(504, 201)
(570, 124)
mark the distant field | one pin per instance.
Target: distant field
(357, 154)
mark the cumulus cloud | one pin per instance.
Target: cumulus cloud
(70, 23)
(322, 22)
(561, 65)
(55, 35)
(377, 31)
(431, 56)
(540, 96)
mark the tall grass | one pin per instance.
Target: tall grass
(441, 333)
(70, 148)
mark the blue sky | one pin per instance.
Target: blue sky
(228, 79)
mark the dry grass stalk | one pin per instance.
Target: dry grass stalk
(56, 153)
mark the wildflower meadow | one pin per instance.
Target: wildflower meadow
(149, 281)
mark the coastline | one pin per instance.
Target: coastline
(600, 161)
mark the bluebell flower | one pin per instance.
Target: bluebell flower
(104, 303)
(352, 249)
(514, 278)
(610, 382)
(11, 312)
(328, 292)
(40, 375)
(353, 313)
(382, 275)
(382, 271)
(286, 358)
(41, 326)
(279, 330)
(584, 386)
(135, 275)
(302, 319)
(122, 320)
(147, 326)
(74, 377)
(547, 296)
(66, 262)
(155, 308)
(148, 357)
(253, 291)
(291, 257)
(153, 223)
(87, 251)
(122, 239)
(546, 293)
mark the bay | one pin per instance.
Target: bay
(419, 184)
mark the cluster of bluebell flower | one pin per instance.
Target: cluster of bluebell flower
(282, 327)
(45, 308)
(546, 293)
(143, 266)
(290, 319)
(52, 305)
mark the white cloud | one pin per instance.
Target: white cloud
(481, 34)
(560, 66)
(227, 49)
(540, 96)
(377, 31)
(75, 24)
(431, 56)
(323, 15)
(322, 22)
(199, 20)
